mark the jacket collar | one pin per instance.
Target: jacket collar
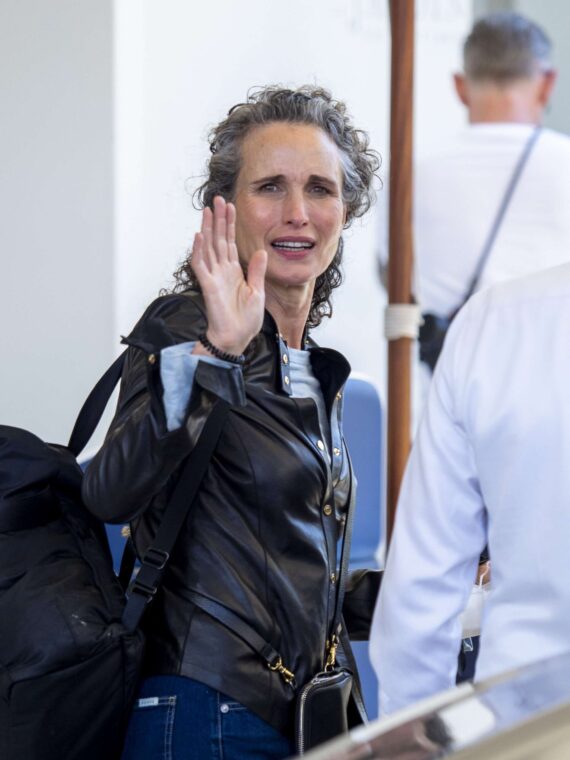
(330, 367)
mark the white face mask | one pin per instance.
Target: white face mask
(473, 613)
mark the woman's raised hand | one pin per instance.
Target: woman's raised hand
(234, 304)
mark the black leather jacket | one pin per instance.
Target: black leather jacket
(260, 538)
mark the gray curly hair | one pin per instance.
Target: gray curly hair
(304, 105)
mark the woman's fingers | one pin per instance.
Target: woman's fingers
(207, 238)
(198, 248)
(256, 271)
(199, 264)
(215, 230)
(220, 229)
(231, 219)
(215, 246)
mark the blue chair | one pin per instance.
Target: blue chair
(117, 536)
(115, 533)
(363, 428)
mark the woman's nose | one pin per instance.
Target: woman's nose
(295, 210)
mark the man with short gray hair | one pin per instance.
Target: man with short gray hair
(501, 190)
(505, 47)
(506, 84)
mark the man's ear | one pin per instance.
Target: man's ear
(547, 85)
(460, 83)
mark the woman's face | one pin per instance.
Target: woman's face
(289, 201)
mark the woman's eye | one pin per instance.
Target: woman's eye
(320, 190)
(268, 187)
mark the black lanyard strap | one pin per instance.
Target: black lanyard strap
(507, 197)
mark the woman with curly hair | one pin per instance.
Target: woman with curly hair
(288, 173)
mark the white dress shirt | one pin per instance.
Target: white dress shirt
(457, 195)
(491, 463)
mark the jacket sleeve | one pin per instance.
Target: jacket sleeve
(139, 454)
(362, 587)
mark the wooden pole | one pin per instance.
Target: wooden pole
(400, 244)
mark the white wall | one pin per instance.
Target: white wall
(56, 206)
(191, 66)
(106, 107)
(179, 66)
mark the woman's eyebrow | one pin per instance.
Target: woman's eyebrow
(313, 178)
(324, 180)
(273, 178)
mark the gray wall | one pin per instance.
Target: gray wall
(56, 202)
(554, 16)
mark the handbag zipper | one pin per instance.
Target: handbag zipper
(302, 699)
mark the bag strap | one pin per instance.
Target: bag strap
(246, 633)
(244, 630)
(336, 626)
(94, 406)
(154, 561)
(128, 562)
(156, 556)
(356, 693)
(507, 197)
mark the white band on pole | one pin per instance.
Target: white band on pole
(402, 320)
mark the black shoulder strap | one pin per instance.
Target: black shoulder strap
(156, 556)
(94, 406)
(507, 197)
(356, 694)
(345, 554)
(237, 625)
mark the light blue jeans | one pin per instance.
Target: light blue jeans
(175, 718)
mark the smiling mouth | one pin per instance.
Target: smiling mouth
(292, 248)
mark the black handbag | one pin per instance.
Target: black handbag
(330, 702)
(435, 326)
(322, 708)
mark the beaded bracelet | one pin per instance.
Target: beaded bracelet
(219, 354)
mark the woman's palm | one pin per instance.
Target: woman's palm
(234, 304)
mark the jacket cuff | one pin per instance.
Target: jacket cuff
(225, 382)
(178, 366)
(362, 587)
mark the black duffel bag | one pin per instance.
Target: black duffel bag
(70, 646)
(68, 665)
